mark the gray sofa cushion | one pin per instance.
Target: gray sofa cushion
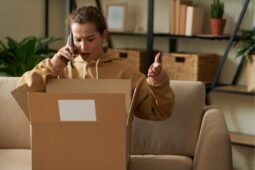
(177, 135)
(15, 159)
(160, 162)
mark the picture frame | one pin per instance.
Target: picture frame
(116, 17)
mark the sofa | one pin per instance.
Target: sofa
(15, 152)
(195, 137)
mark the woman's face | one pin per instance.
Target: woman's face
(88, 41)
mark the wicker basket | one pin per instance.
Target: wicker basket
(135, 57)
(184, 66)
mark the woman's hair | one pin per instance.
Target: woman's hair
(88, 14)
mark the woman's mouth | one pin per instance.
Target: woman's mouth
(85, 55)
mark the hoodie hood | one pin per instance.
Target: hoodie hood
(104, 58)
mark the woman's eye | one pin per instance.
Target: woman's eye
(77, 40)
(90, 39)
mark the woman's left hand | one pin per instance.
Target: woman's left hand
(156, 73)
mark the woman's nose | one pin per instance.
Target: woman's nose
(83, 45)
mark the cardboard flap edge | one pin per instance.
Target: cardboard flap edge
(20, 96)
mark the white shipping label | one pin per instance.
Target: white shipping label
(77, 110)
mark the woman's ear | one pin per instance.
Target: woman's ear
(105, 35)
(105, 38)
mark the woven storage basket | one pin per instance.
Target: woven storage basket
(135, 57)
(184, 66)
(250, 73)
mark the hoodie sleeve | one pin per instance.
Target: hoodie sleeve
(154, 102)
(36, 79)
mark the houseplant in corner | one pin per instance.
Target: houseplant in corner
(19, 57)
(217, 22)
(247, 49)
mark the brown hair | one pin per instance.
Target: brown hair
(88, 14)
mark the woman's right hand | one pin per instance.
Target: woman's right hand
(65, 54)
(61, 58)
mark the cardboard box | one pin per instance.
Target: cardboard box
(105, 86)
(66, 135)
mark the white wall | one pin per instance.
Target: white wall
(57, 15)
(19, 18)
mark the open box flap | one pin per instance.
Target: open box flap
(20, 95)
(45, 108)
(111, 86)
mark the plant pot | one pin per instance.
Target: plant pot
(250, 72)
(217, 26)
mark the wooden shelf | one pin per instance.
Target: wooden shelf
(200, 36)
(233, 89)
(128, 34)
(173, 36)
(242, 139)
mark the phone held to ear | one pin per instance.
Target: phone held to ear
(74, 51)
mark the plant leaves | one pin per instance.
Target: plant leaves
(19, 57)
(26, 49)
(43, 42)
(12, 43)
(3, 47)
(7, 57)
(247, 46)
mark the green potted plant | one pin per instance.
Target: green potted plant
(217, 21)
(19, 57)
(246, 49)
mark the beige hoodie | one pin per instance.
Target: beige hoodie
(152, 102)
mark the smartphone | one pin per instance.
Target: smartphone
(74, 50)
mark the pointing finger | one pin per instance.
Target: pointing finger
(157, 58)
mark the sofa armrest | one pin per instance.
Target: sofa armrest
(14, 126)
(213, 150)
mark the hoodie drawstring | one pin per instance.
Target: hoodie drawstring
(97, 73)
(84, 70)
(85, 66)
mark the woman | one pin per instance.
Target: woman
(84, 50)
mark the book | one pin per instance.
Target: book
(182, 15)
(177, 15)
(194, 20)
(172, 16)
(182, 20)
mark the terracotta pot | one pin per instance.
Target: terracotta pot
(217, 26)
